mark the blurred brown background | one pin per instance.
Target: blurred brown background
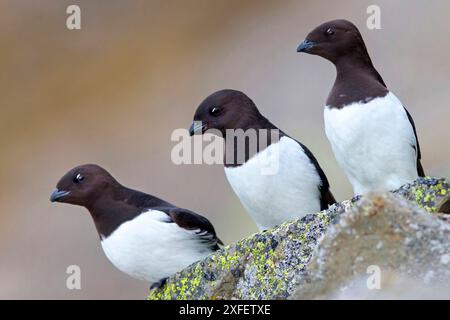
(113, 92)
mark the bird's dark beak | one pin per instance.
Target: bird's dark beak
(58, 194)
(197, 127)
(305, 46)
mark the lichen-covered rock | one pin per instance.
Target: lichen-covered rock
(271, 264)
(263, 266)
(384, 240)
(431, 194)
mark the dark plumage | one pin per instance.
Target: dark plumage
(134, 226)
(300, 175)
(359, 83)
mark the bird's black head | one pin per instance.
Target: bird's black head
(83, 185)
(333, 40)
(225, 109)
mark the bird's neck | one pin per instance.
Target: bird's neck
(257, 137)
(356, 64)
(357, 80)
(109, 213)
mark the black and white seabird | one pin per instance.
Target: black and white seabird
(297, 187)
(372, 135)
(143, 236)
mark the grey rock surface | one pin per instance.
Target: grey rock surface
(386, 241)
(315, 256)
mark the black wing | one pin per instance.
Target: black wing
(420, 170)
(184, 218)
(326, 197)
(200, 225)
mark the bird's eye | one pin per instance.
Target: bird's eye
(330, 31)
(215, 111)
(78, 178)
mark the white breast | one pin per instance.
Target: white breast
(150, 249)
(277, 185)
(373, 143)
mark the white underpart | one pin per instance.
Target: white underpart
(290, 192)
(148, 248)
(373, 143)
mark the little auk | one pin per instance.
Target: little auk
(296, 187)
(143, 236)
(372, 135)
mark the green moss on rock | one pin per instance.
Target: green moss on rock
(426, 192)
(262, 266)
(270, 264)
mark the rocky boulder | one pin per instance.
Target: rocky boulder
(322, 254)
(384, 247)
